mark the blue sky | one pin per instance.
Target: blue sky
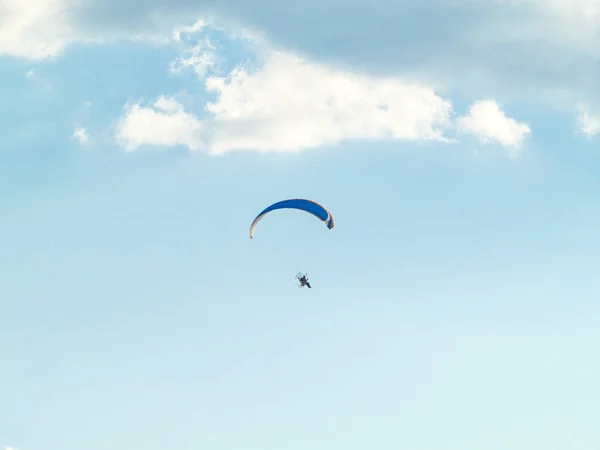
(454, 305)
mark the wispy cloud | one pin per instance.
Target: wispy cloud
(44, 84)
(588, 124)
(200, 58)
(179, 31)
(81, 135)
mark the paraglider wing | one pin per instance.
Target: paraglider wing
(309, 206)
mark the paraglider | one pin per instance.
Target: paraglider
(309, 206)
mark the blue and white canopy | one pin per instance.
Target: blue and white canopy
(309, 206)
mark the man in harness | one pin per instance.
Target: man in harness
(303, 280)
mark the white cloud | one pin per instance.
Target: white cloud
(165, 123)
(486, 121)
(31, 75)
(33, 29)
(43, 29)
(81, 135)
(291, 104)
(540, 48)
(508, 45)
(588, 124)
